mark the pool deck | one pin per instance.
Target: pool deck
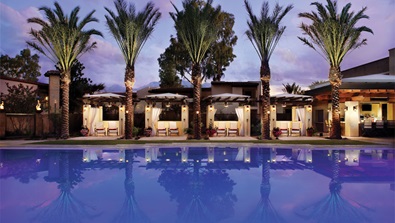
(21, 143)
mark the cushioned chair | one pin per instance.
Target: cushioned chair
(221, 130)
(100, 129)
(379, 124)
(112, 128)
(173, 128)
(284, 128)
(161, 129)
(367, 124)
(233, 129)
(295, 129)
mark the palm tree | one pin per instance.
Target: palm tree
(63, 40)
(292, 88)
(197, 30)
(264, 34)
(333, 35)
(131, 30)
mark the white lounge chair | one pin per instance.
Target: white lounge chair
(221, 130)
(379, 124)
(173, 128)
(233, 129)
(295, 129)
(112, 128)
(284, 128)
(161, 129)
(100, 129)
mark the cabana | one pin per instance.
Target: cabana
(104, 113)
(225, 104)
(156, 104)
(292, 113)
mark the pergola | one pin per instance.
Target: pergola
(243, 111)
(152, 113)
(301, 112)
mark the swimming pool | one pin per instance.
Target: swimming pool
(197, 184)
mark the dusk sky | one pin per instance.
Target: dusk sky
(291, 62)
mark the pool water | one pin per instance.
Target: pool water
(197, 184)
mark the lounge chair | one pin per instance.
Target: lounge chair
(233, 129)
(161, 129)
(112, 128)
(99, 128)
(173, 128)
(221, 130)
(296, 129)
(367, 124)
(284, 128)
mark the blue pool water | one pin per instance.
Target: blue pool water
(197, 184)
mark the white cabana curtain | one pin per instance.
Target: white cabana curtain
(240, 116)
(92, 120)
(301, 114)
(155, 118)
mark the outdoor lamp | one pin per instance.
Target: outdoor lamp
(309, 108)
(197, 112)
(273, 107)
(354, 108)
(211, 107)
(247, 107)
(226, 104)
(168, 105)
(147, 108)
(38, 106)
(184, 107)
(2, 106)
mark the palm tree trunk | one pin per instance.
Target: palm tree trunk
(265, 99)
(65, 85)
(197, 87)
(129, 83)
(335, 80)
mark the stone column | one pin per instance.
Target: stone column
(247, 120)
(184, 117)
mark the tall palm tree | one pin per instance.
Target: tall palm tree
(63, 40)
(131, 30)
(197, 30)
(264, 34)
(333, 34)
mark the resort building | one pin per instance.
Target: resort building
(367, 99)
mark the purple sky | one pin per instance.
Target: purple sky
(291, 61)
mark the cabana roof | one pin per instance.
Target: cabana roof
(227, 97)
(103, 97)
(291, 98)
(166, 97)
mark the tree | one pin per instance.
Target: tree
(197, 30)
(217, 58)
(315, 83)
(333, 34)
(168, 63)
(20, 99)
(131, 30)
(292, 88)
(80, 85)
(24, 66)
(264, 34)
(62, 39)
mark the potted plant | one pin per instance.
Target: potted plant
(84, 131)
(276, 132)
(211, 131)
(148, 132)
(310, 131)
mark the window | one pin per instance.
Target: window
(110, 113)
(172, 113)
(285, 115)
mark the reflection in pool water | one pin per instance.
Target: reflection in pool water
(197, 184)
